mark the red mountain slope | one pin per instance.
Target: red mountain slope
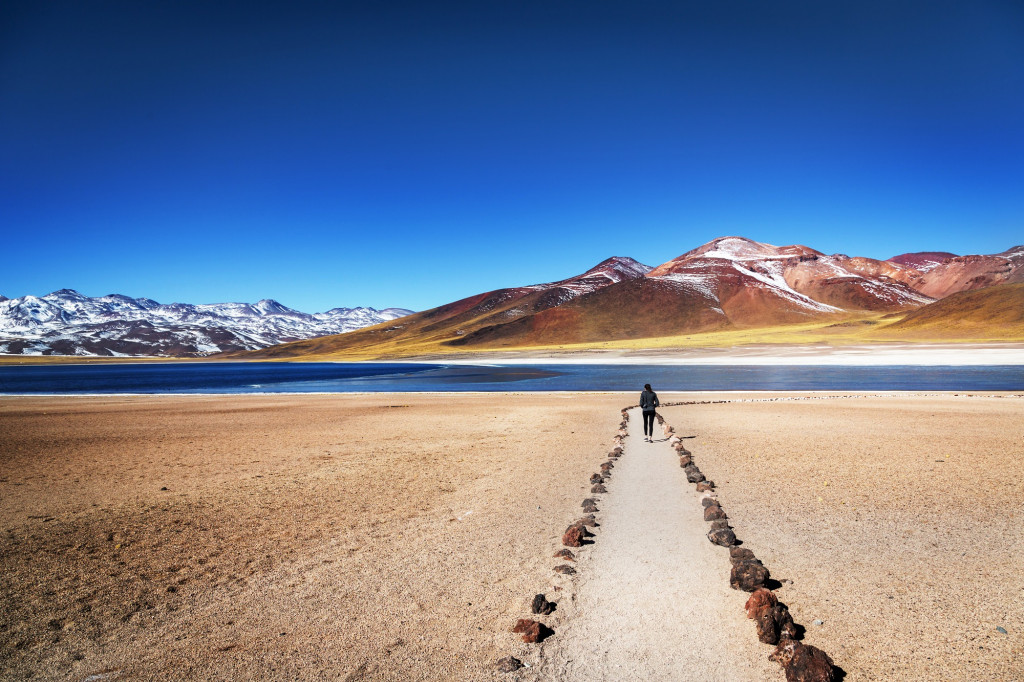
(804, 277)
(922, 261)
(731, 282)
(964, 273)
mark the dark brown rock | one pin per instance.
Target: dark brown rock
(509, 664)
(599, 488)
(705, 486)
(719, 523)
(713, 512)
(617, 450)
(589, 500)
(590, 508)
(532, 631)
(596, 478)
(606, 467)
(565, 554)
(771, 621)
(542, 606)
(722, 536)
(693, 474)
(588, 520)
(748, 576)
(761, 599)
(565, 569)
(802, 662)
(708, 501)
(741, 554)
(685, 461)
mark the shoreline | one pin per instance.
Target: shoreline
(857, 355)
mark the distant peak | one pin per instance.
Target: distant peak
(269, 306)
(1013, 252)
(922, 260)
(742, 248)
(622, 265)
(66, 293)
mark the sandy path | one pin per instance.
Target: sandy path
(653, 601)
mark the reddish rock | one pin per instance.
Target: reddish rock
(617, 451)
(722, 536)
(532, 631)
(741, 554)
(542, 606)
(719, 523)
(509, 664)
(606, 467)
(803, 663)
(596, 478)
(713, 512)
(705, 486)
(685, 461)
(565, 554)
(599, 488)
(762, 598)
(574, 536)
(565, 569)
(748, 576)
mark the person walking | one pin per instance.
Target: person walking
(648, 401)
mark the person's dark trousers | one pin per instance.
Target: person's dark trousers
(649, 424)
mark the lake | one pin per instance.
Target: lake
(286, 377)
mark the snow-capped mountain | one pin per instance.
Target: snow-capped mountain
(67, 323)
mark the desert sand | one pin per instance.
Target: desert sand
(391, 536)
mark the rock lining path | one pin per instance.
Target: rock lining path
(653, 600)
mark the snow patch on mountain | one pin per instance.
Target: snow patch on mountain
(67, 323)
(774, 279)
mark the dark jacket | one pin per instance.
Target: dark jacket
(649, 401)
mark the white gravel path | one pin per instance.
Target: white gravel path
(652, 599)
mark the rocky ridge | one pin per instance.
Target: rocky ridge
(66, 322)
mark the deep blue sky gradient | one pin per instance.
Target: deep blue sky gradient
(409, 154)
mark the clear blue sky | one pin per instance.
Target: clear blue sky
(412, 153)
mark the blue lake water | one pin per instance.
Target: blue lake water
(380, 377)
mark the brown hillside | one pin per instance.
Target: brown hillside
(991, 313)
(452, 321)
(633, 309)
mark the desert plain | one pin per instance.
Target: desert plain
(400, 536)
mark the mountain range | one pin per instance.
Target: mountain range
(730, 283)
(67, 323)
